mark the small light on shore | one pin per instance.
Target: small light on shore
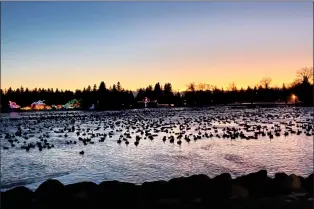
(294, 98)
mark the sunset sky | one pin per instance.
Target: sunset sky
(70, 45)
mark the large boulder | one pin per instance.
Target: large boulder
(257, 183)
(220, 188)
(294, 183)
(49, 194)
(19, 197)
(81, 195)
(308, 184)
(119, 194)
(198, 185)
(284, 184)
(153, 191)
(188, 188)
(51, 188)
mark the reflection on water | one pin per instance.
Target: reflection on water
(154, 159)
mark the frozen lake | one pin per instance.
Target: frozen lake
(214, 141)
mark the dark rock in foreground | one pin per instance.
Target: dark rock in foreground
(255, 190)
(48, 195)
(19, 197)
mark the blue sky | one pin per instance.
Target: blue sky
(73, 44)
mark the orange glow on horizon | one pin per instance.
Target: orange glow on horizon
(175, 85)
(135, 78)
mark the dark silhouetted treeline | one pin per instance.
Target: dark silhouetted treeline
(116, 97)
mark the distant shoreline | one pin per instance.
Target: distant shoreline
(234, 105)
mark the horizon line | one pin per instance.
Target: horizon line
(225, 87)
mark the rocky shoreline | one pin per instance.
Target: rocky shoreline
(255, 190)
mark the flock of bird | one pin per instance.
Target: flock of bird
(176, 126)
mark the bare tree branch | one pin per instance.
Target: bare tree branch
(265, 82)
(191, 87)
(305, 74)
